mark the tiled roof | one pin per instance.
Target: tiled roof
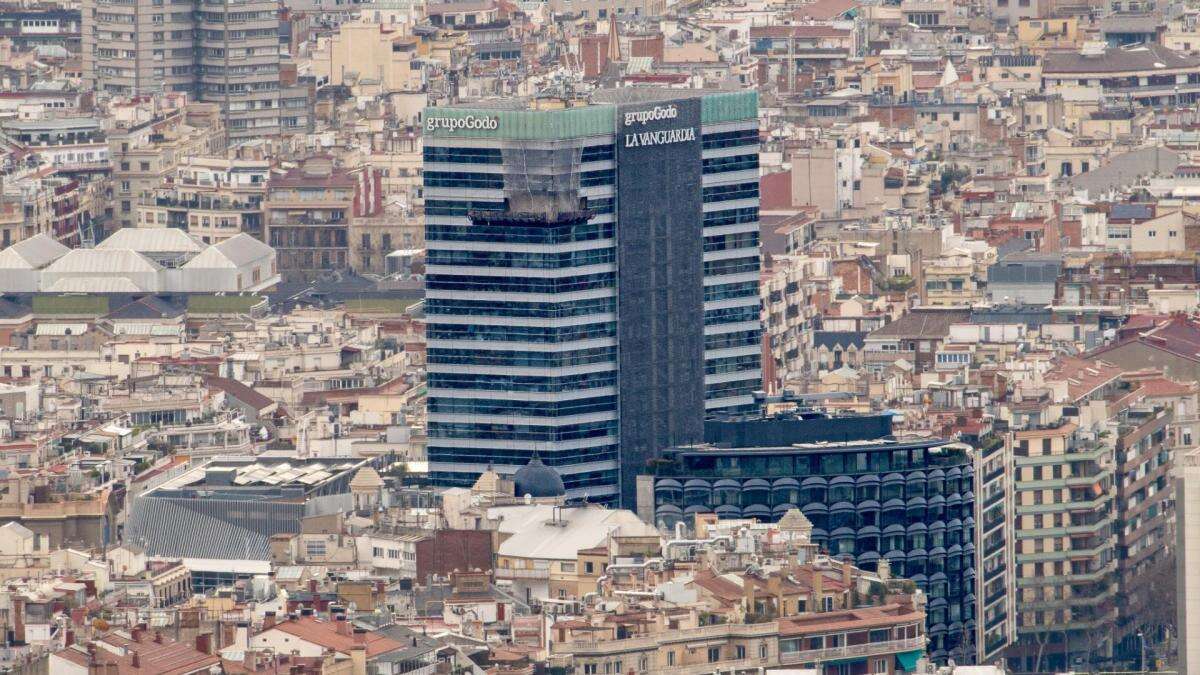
(325, 634)
(923, 323)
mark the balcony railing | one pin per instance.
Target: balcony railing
(852, 651)
(601, 647)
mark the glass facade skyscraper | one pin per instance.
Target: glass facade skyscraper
(592, 281)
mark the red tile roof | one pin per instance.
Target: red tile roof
(161, 658)
(325, 634)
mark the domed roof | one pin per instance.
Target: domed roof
(366, 480)
(538, 480)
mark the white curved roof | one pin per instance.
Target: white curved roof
(151, 240)
(32, 253)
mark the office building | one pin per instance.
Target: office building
(225, 53)
(868, 495)
(592, 280)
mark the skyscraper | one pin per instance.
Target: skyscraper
(223, 52)
(592, 280)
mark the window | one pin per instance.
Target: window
(670, 658)
(714, 654)
(762, 648)
(879, 667)
(314, 548)
(739, 652)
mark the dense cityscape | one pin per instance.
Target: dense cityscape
(599, 337)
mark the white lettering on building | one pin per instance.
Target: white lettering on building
(456, 123)
(646, 138)
(654, 114)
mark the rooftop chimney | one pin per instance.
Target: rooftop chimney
(136, 662)
(818, 586)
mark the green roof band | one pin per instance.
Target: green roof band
(545, 125)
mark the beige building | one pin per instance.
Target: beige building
(599, 9)
(212, 198)
(369, 51)
(950, 282)
(143, 155)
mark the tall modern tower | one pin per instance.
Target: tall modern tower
(592, 280)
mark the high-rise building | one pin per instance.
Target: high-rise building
(592, 280)
(221, 52)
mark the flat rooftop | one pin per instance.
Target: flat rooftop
(234, 473)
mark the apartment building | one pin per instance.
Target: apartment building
(311, 213)
(368, 51)
(212, 198)
(1065, 554)
(1145, 451)
(144, 154)
(219, 52)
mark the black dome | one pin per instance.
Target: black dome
(538, 480)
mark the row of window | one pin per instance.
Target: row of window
(713, 268)
(834, 464)
(543, 310)
(724, 193)
(729, 139)
(492, 406)
(524, 260)
(748, 214)
(521, 359)
(561, 234)
(518, 432)
(541, 383)
(459, 207)
(464, 179)
(533, 334)
(467, 282)
(735, 339)
(739, 289)
(570, 481)
(734, 388)
(728, 242)
(730, 163)
(731, 315)
(433, 153)
(503, 456)
(732, 364)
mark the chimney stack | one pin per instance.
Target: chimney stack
(342, 626)
(136, 661)
(818, 586)
(268, 621)
(204, 643)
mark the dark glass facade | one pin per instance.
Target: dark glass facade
(604, 331)
(909, 502)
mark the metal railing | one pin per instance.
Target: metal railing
(851, 651)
